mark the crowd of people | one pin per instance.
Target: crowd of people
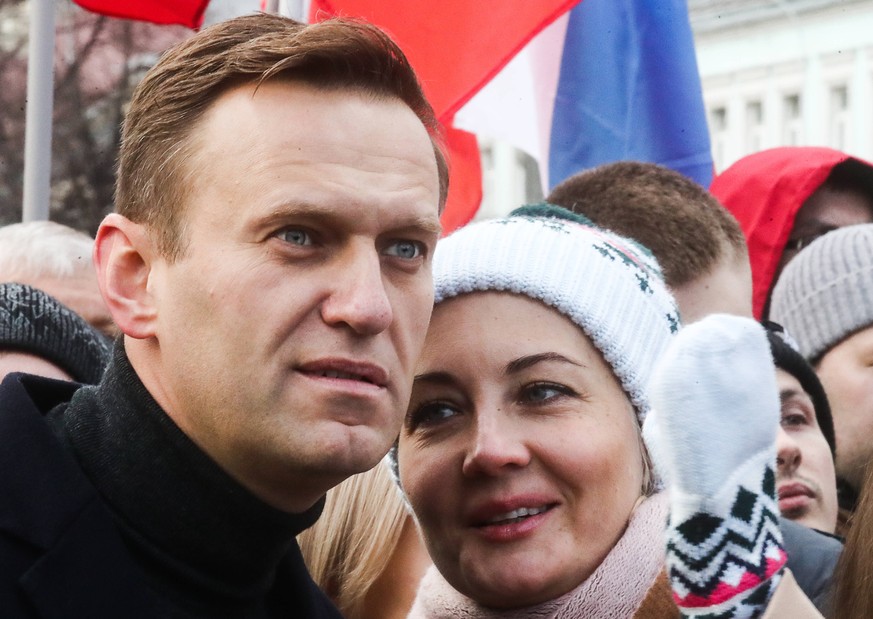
(268, 388)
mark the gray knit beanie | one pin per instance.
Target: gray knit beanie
(33, 322)
(825, 294)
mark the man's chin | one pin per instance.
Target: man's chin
(361, 450)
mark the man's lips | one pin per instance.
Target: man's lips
(794, 498)
(787, 491)
(346, 369)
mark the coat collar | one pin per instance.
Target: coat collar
(57, 512)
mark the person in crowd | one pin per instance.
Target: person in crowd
(268, 264)
(853, 594)
(805, 444)
(720, 464)
(365, 551)
(784, 198)
(824, 298)
(697, 242)
(56, 259)
(39, 335)
(521, 452)
(703, 254)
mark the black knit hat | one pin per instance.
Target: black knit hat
(787, 358)
(33, 322)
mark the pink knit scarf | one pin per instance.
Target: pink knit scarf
(614, 591)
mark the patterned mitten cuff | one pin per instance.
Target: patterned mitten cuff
(717, 413)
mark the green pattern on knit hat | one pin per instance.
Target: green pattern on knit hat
(545, 210)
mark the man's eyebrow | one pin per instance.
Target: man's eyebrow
(424, 223)
(429, 224)
(432, 225)
(522, 363)
(788, 394)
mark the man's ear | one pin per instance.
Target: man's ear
(123, 255)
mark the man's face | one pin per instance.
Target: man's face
(806, 483)
(288, 330)
(823, 211)
(726, 289)
(846, 372)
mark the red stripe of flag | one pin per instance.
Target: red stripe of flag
(455, 47)
(183, 12)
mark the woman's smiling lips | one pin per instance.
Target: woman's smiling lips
(511, 519)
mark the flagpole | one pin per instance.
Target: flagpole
(40, 100)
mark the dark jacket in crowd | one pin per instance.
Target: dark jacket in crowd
(812, 557)
(96, 545)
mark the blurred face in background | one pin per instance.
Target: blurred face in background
(825, 210)
(806, 483)
(17, 361)
(846, 373)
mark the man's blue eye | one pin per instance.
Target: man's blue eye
(295, 237)
(408, 250)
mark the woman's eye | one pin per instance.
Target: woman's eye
(407, 250)
(430, 414)
(545, 392)
(295, 236)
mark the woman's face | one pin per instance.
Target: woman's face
(520, 452)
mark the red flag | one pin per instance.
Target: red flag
(184, 12)
(465, 190)
(455, 47)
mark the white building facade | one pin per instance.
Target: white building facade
(774, 73)
(785, 73)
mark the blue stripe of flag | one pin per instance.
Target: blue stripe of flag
(629, 88)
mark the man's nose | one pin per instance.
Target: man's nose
(358, 296)
(788, 453)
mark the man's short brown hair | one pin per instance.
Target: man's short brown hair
(154, 175)
(683, 225)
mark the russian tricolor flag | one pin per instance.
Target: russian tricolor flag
(456, 47)
(611, 80)
(575, 84)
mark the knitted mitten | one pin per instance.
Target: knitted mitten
(718, 413)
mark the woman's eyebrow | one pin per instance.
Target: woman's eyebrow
(522, 363)
(437, 378)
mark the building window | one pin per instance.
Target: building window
(754, 126)
(792, 120)
(839, 117)
(718, 125)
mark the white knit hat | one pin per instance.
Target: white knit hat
(610, 286)
(825, 294)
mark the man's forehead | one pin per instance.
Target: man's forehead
(789, 385)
